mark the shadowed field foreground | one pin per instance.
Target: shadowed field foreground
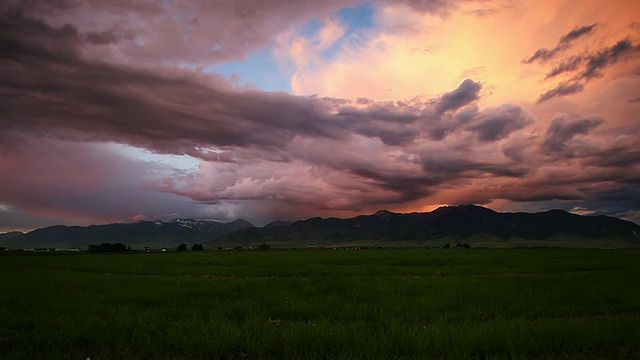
(317, 304)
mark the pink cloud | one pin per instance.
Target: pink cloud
(67, 95)
(178, 32)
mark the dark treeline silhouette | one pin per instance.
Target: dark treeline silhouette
(197, 247)
(194, 247)
(108, 247)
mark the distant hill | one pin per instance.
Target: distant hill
(144, 233)
(279, 223)
(9, 235)
(467, 223)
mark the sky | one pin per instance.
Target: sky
(121, 111)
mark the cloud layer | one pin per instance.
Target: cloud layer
(72, 88)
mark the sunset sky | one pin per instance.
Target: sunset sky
(119, 111)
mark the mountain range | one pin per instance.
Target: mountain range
(466, 223)
(453, 224)
(139, 234)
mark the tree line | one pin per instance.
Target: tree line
(194, 247)
(108, 247)
(120, 247)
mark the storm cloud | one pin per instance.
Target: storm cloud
(74, 89)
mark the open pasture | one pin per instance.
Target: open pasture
(322, 304)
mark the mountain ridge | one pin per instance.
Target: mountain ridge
(455, 223)
(462, 223)
(141, 233)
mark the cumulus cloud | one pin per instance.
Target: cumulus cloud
(497, 123)
(563, 129)
(463, 95)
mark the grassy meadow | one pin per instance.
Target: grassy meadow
(322, 304)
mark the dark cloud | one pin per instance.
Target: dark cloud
(516, 150)
(621, 152)
(179, 111)
(585, 67)
(398, 123)
(429, 6)
(565, 88)
(581, 65)
(576, 166)
(446, 166)
(482, 12)
(196, 32)
(571, 64)
(452, 110)
(110, 36)
(576, 33)
(45, 82)
(564, 43)
(403, 187)
(595, 64)
(563, 129)
(529, 193)
(615, 198)
(541, 54)
(465, 94)
(497, 123)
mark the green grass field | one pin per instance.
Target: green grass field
(322, 304)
